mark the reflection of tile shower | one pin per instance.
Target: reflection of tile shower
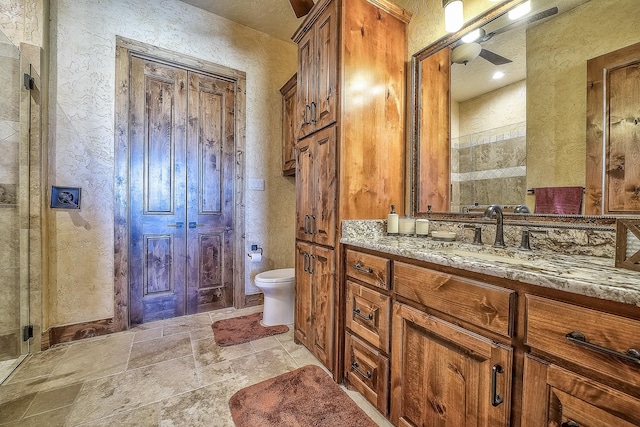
(489, 167)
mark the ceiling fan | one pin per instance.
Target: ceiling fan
(301, 7)
(464, 52)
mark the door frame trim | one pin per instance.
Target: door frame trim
(125, 48)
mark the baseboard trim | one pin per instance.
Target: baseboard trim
(77, 331)
(253, 299)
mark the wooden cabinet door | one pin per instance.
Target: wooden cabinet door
(289, 123)
(304, 190)
(323, 285)
(443, 375)
(323, 104)
(325, 187)
(306, 84)
(554, 396)
(433, 171)
(613, 95)
(302, 320)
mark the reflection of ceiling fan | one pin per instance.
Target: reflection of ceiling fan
(301, 7)
(465, 52)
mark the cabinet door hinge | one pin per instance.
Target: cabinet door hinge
(29, 82)
(27, 332)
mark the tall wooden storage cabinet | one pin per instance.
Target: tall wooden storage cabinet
(350, 150)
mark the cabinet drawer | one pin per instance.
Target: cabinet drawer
(590, 338)
(370, 269)
(483, 305)
(367, 371)
(368, 314)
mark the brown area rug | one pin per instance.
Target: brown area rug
(301, 398)
(243, 329)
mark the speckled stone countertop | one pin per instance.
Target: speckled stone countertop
(587, 275)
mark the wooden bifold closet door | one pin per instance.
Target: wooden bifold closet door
(181, 168)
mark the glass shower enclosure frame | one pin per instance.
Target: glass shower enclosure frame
(15, 126)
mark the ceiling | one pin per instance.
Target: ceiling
(476, 78)
(274, 17)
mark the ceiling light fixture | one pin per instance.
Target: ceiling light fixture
(453, 15)
(498, 75)
(520, 11)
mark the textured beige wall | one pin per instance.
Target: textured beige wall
(21, 22)
(556, 85)
(81, 137)
(495, 109)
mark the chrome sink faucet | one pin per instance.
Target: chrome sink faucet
(497, 211)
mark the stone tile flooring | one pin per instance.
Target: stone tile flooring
(165, 373)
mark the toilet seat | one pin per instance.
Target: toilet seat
(281, 275)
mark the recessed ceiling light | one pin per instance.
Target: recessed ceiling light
(520, 11)
(498, 75)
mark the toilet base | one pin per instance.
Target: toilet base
(278, 310)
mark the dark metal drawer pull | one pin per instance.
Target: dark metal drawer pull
(355, 366)
(496, 399)
(632, 355)
(570, 424)
(359, 267)
(358, 313)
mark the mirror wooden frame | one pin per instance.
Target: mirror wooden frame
(414, 139)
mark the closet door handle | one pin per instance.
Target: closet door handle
(305, 262)
(496, 399)
(193, 224)
(313, 224)
(304, 224)
(632, 355)
(176, 225)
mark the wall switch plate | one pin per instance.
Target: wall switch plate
(256, 184)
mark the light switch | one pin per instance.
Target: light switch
(256, 184)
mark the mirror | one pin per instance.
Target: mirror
(501, 139)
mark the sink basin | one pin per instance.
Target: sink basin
(512, 258)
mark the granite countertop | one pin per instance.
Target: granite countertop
(587, 275)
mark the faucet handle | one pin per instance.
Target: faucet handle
(525, 240)
(477, 236)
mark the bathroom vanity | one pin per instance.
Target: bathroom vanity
(448, 333)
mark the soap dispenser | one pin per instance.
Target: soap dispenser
(392, 221)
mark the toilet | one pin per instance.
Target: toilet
(277, 287)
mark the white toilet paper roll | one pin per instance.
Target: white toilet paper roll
(255, 256)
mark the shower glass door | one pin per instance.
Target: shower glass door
(14, 208)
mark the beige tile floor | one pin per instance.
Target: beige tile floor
(165, 373)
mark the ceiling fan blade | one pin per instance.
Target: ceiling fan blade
(526, 20)
(301, 7)
(494, 58)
